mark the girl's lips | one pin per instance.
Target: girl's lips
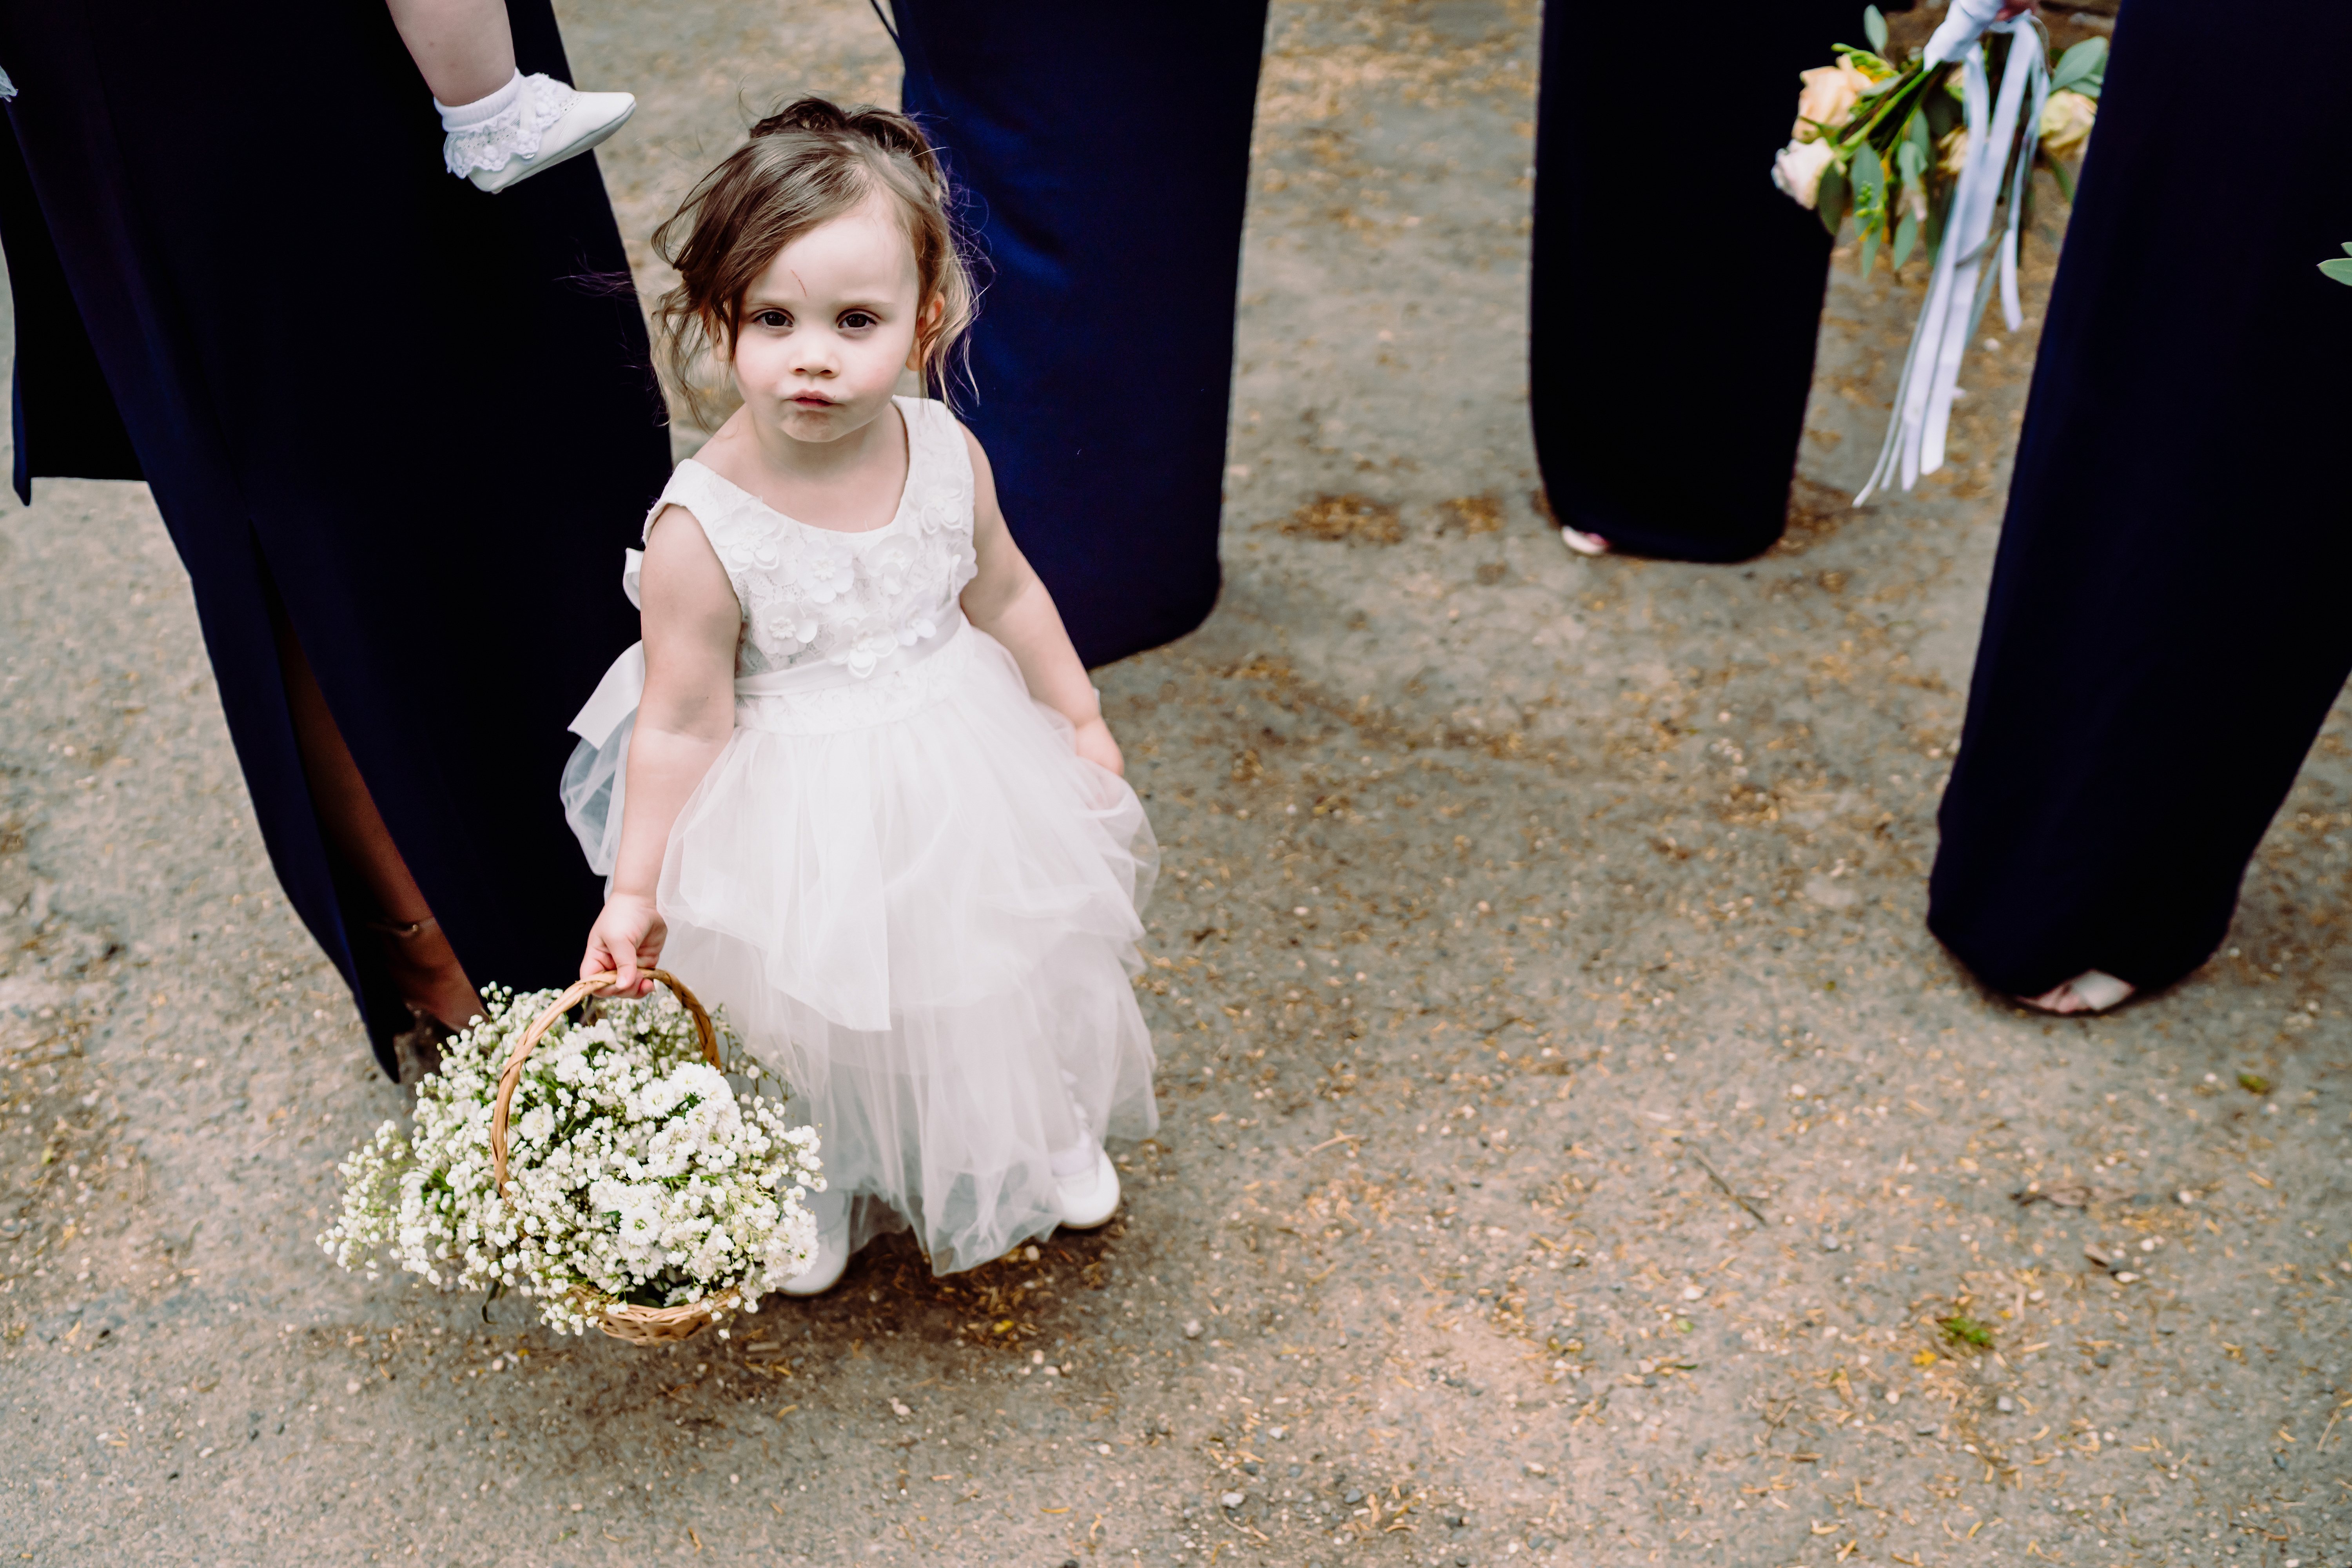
(806, 401)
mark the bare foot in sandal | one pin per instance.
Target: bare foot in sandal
(425, 969)
(2093, 990)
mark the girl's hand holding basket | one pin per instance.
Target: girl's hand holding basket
(604, 1166)
(625, 944)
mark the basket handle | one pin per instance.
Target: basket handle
(546, 1021)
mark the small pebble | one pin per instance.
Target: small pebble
(2005, 1405)
(1232, 1500)
(1278, 1432)
(1191, 1328)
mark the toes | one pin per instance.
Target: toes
(2093, 990)
(2058, 999)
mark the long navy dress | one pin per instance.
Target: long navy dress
(1106, 149)
(420, 419)
(1676, 295)
(2167, 626)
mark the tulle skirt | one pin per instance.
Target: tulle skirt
(920, 906)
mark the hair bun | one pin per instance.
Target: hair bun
(803, 114)
(891, 131)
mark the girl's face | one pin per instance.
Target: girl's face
(829, 325)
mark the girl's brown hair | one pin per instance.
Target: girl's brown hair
(806, 164)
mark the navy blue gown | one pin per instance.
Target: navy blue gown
(420, 419)
(2166, 625)
(1105, 150)
(1676, 295)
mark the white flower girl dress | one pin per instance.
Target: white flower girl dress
(915, 900)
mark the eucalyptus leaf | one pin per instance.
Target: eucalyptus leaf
(2087, 59)
(1875, 24)
(2348, 248)
(1869, 250)
(1830, 204)
(1906, 235)
(1911, 160)
(2058, 172)
(2339, 268)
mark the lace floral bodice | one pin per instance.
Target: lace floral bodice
(817, 595)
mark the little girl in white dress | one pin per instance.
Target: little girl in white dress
(854, 784)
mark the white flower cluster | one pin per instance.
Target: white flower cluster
(636, 1175)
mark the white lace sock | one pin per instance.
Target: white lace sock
(504, 125)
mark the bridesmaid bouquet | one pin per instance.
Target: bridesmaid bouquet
(1887, 143)
(1921, 151)
(636, 1183)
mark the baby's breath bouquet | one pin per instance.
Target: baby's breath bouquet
(637, 1177)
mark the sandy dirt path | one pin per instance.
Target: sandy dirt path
(1575, 1149)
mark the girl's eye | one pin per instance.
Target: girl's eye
(772, 318)
(856, 321)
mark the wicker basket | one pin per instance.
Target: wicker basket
(637, 1325)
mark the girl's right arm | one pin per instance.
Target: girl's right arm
(691, 623)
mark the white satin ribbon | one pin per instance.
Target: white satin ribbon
(1960, 286)
(1963, 25)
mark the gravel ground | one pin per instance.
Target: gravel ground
(1575, 1149)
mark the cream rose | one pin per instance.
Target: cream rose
(2066, 123)
(1798, 170)
(1828, 98)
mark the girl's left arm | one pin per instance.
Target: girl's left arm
(1009, 602)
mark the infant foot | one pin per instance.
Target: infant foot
(526, 128)
(2093, 990)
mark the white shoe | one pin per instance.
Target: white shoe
(1584, 543)
(825, 1270)
(581, 120)
(1091, 1197)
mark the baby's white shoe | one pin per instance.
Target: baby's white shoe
(527, 127)
(826, 1269)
